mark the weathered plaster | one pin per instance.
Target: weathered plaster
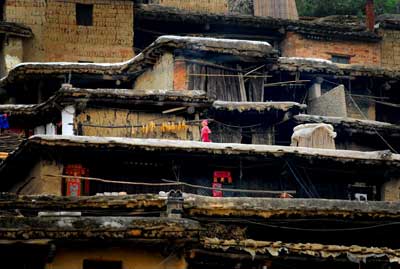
(160, 77)
(332, 103)
(39, 182)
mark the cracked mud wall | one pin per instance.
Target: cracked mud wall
(122, 117)
(39, 182)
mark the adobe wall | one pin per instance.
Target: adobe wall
(13, 52)
(169, 73)
(139, 258)
(391, 191)
(363, 53)
(32, 14)
(160, 77)
(214, 6)
(40, 180)
(57, 37)
(390, 45)
(121, 117)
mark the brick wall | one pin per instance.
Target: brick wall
(213, 6)
(390, 48)
(363, 53)
(57, 37)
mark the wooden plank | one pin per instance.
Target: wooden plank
(285, 83)
(174, 110)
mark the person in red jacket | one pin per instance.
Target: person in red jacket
(205, 131)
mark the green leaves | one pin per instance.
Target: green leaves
(320, 8)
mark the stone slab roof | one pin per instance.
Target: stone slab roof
(194, 147)
(257, 106)
(356, 254)
(310, 29)
(351, 124)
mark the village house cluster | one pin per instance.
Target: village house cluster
(180, 134)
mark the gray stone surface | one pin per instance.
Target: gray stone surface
(332, 104)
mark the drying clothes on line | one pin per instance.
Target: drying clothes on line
(4, 122)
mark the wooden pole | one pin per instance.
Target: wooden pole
(242, 87)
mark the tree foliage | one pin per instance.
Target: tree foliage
(320, 8)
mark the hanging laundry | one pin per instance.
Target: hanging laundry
(4, 122)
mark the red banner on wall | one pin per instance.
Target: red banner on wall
(216, 190)
(76, 186)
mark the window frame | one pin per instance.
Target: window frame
(84, 14)
(340, 59)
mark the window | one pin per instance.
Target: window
(340, 59)
(100, 264)
(84, 14)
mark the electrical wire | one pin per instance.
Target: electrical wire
(236, 126)
(299, 181)
(192, 122)
(325, 229)
(376, 131)
(172, 183)
(306, 229)
(364, 116)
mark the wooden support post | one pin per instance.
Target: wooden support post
(262, 88)
(242, 87)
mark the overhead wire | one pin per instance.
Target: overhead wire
(299, 181)
(376, 131)
(365, 117)
(375, 226)
(167, 182)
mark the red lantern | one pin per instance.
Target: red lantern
(223, 176)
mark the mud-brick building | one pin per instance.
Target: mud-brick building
(54, 163)
(303, 169)
(77, 31)
(249, 94)
(137, 232)
(330, 40)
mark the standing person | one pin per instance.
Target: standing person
(205, 131)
